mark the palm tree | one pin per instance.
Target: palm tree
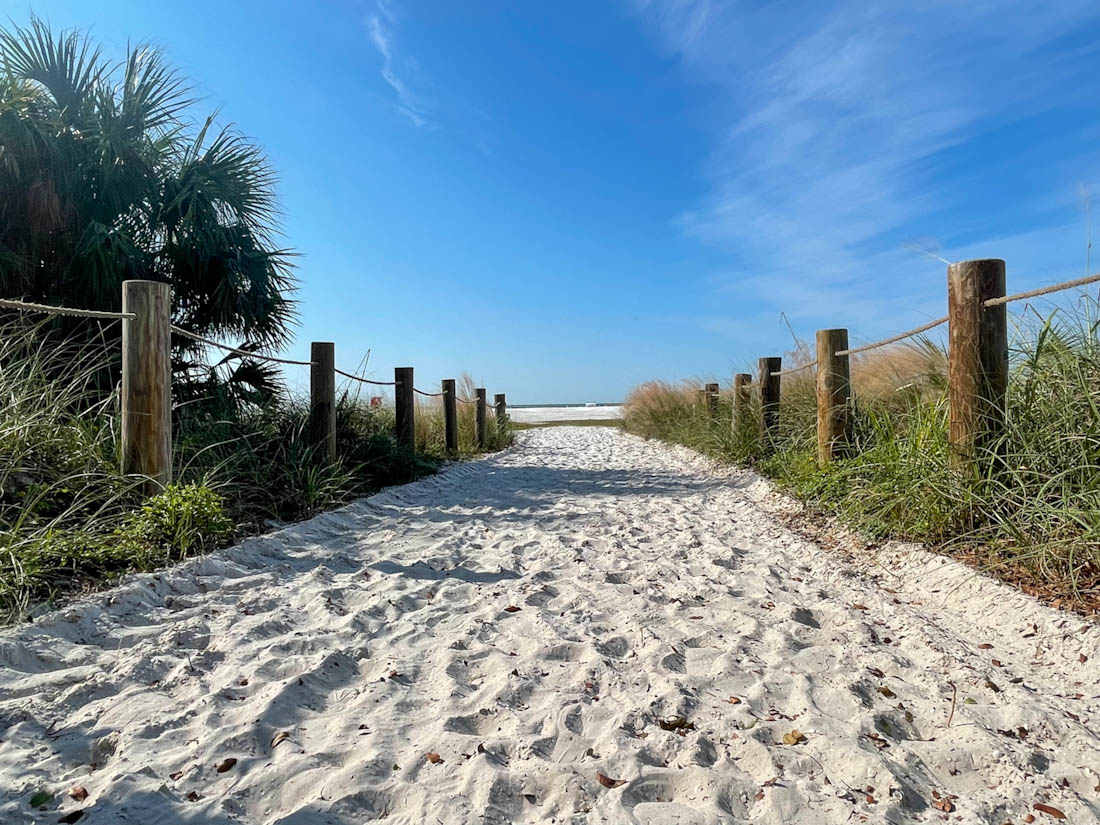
(105, 177)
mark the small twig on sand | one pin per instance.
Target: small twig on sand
(954, 697)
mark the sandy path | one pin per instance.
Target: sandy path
(648, 587)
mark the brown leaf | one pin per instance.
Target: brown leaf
(1082, 658)
(78, 792)
(175, 775)
(1049, 810)
(433, 757)
(943, 804)
(71, 817)
(874, 671)
(225, 765)
(194, 796)
(759, 795)
(885, 691)
(511, 609)
(607, 782)
(870, 799)
(995, 662)
(677, 723)
(985, 646)
(879, 742)
(858, 606)
(734, 700)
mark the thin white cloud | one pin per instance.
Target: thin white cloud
(829, 122)
(380, 27)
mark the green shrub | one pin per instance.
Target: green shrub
(179, 521)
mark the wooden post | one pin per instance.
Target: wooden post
(742, 386)
(977, 365)
(450, 415)
(481, 432)
(834, 393)
(147, 382)
(322, 398)
(501, 404)
(769, 397)
(405, 406)
(712, 399)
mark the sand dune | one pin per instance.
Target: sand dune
(532, 619)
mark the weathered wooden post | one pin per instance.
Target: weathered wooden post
(501, 404)
(147, 382)
(834, 394)
(404, 407)
(977, 364)
(711, 391)
(768, 369)
(322, 398)
(450, 415)
(742, 386)
(480, 422)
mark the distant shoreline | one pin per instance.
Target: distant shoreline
(564, 406)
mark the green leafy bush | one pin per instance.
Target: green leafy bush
(182, 520)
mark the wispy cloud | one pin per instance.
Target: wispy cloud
(833, 126)
(381, 26)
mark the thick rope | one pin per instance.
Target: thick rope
(429, 394)
(793, 370)
(895, 338)
(354, 377)
(259, 356)
(24, 306)
(1045, 290)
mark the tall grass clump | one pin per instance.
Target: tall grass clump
(69, 518)
(1031, 510)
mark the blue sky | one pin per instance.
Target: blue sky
(566, 199)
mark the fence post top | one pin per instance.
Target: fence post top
(978, 262)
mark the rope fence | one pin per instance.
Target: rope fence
(235, 351)
(987, 304)
(895, 338)
(146, 402)
(977, 367)
(361, 380)
(26, 306)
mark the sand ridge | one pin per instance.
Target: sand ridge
(330, 658)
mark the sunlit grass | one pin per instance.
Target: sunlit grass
(1037, 509)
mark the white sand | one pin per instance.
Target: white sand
(542, 415)
(649, 586)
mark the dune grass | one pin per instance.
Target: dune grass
(70, 519)
(1033, 517)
